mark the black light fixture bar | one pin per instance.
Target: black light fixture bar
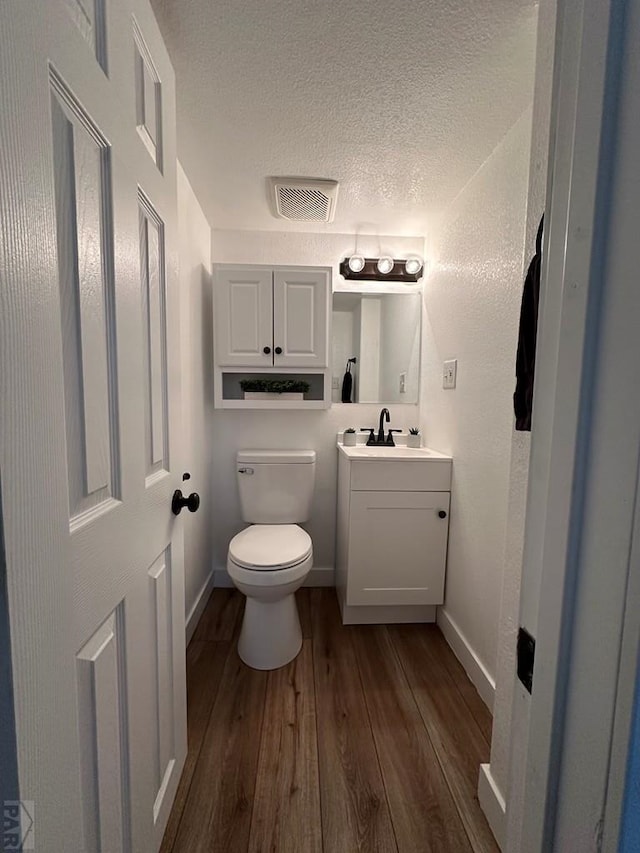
(370, 272)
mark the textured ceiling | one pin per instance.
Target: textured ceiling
(399, 100)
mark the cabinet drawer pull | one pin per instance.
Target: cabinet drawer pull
(442, 513)
(278, 350)
(266, 350)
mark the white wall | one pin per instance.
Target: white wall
(231, 430)
(196, 346)
(472, 304)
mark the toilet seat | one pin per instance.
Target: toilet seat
(270, 547)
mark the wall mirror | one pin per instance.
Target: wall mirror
(382, 332)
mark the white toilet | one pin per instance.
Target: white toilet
(270, 559)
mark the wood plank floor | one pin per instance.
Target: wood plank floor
(371, 741)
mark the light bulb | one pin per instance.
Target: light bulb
(385, 265)
(356, 263)
(413, 265)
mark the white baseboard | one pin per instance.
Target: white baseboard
(321, 576)
(473, 666)
(198, 607)
(318, 576)
(492, 804)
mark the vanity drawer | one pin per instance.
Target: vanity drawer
(401, 476)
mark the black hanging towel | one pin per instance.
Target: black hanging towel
(526, 357)
(347, 382)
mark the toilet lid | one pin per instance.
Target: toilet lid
(270, 546)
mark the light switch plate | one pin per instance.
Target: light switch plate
(449, 373)
(403, 383)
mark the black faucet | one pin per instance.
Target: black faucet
(374, 440)
(384, 415)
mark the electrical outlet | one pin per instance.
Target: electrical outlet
(403, 383)
(449, 373)
(335, 383)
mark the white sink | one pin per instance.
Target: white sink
(399, 452)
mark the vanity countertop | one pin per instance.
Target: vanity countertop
(401, 452)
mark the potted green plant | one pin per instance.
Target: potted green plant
(274, 389)
(414, 439)
(349, 437)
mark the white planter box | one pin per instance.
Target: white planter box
(270, 395)
(414, 440)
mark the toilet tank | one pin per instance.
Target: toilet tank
(276, 486)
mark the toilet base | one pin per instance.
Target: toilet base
(271, 635)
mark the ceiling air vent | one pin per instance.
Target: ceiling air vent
(304, 199)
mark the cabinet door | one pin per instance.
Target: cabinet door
(300, 318)
(244, 317)
(397, 547)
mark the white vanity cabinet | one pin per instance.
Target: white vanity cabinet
(272, 317)
(392, 534)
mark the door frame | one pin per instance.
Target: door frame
(583, 485)
(9, 782)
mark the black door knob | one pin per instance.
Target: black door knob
(178, 502)
(442, 513)
(266, 350)
(278, 350)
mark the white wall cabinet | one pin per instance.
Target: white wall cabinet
(392, 535)
(301, 317)
(244, 317)
(272, 317)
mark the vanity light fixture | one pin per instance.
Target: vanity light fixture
(385, 268)
(413, 264)
(385, 265)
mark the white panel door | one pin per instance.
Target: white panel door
(90, 419)
(301, 317)
(397, 547)
(244, 317)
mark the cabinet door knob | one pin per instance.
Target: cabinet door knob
(278, 350)
(266, 350)
(442, 513)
